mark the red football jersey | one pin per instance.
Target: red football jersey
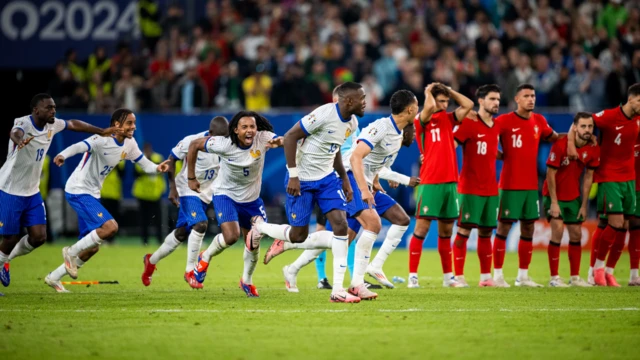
(637, 155)
(435, 141)
(618, 135)
(520, 138)
(569, 171)
(480, 147)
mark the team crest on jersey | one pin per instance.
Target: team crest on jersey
(600, 113)
(610, 205)
(425, 209)
(123, 155)
(347, 133)
(100, 215)
(536, 133)
(312, 118)
(506, 212)
(466, 216)
(565, 161)
(552, 156)
(193, 214)
(49, 135)
(255, 153)
(372, 132)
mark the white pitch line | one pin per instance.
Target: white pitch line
(292, 311)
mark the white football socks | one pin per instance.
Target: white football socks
(303, 260)
(362, 256)
(61, 271)
(22, 248)
(276, 231)
(216, 247)
(169, 245)
(87, 242)
(339, 248)
(193, 248)
(250, 261)
(394, 236)
(316, 240)
(3, 258)
(523, 274)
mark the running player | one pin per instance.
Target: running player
(561, 196)
(437, 195)
(616, 184)
(313, 144)
(377, 148)
(520, 135)
(236, 197)
(20, 202)
(192, 207)
(101, 156)
(478, 187)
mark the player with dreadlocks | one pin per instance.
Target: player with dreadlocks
(101, 156)
(236, 197)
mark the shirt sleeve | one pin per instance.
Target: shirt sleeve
(599, 119)
(217, 144)
(93, 142)
(133, 152)
(59, 125)
(594, 159)
(313, 122)
(452, 118)
(461, 133)
(21, 124)
(555, 156)
(545, 129)
(372, 135)
(180, 151)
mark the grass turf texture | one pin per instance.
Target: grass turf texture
(168, 320)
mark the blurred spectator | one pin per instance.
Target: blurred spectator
(174, 19)
(98, 61)
(126, 89)
(251, 42)
(385, 70)
(63, 86)
(616, 88)
(520, 75)
(228, 88)
(148, 189)
(633, 75)
(577, 86)
(613, 16)
(358, 63)
(78, 72)
(149, 20)
(257, 90)
(209, 70)
(544, 79)
(100, 94)
(190, 92)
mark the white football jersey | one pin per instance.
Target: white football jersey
(326, 132)
(20, 174)
(207, 168)
(240, 168)
(102, 156)
(385, 140)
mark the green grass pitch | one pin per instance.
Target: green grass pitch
(168, 320)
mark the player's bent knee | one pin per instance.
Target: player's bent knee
(298, 235)
(181, 234)
(405, 220)
(110, 229)
(231, 237)
(200, 227)
(38, 240)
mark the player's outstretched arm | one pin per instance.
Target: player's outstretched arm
(554, 211)
(81, 126)
(173, 191)
(359, 153)
(429, 104)
(290, 143)
(195, 146)
(72, 150)
(17, 136)
(465, 105)
(393, 176)
(150, 167)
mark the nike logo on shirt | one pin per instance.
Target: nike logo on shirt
(515, 129)
(481, 136)
(619, 127)
(331, 131)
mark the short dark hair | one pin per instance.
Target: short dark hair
(261, 123)
(119, 115)
(343, 89)
(484, 90)
(525, 87)
(400, 100)
(581, 115)
(220, 126)
(634, 90)
(39, 97)
(440, 90)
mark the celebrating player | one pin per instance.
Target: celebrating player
(478, 187)
(236, 198)
(437, 195)
(377, 148)
(561, 192)
(520, 134)
(311, 148)
(192, 217)
(20, 202)
(616, 189)
(101, 156)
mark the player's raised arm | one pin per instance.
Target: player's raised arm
(81, 126)
(363, 148)
(430, 106)
(290, 143)
(72, 150)
(192, 156)
(465, 105)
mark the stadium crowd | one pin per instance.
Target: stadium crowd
(581, 54)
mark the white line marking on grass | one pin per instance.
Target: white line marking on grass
(294, 311)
